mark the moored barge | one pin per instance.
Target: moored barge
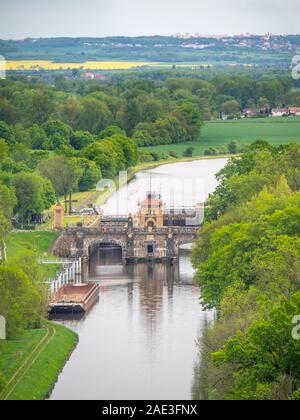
(74, 299)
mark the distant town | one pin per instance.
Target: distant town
(263, 42)
(261, 50)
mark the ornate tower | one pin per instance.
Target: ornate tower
(151, 213)
(58, 223)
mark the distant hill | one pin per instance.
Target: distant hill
(244, 49)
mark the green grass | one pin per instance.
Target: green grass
(277, 131)
(36, 363)
(38, 242)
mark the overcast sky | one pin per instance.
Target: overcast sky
(49, 18)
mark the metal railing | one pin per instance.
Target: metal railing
(70, 273)
(56, 261)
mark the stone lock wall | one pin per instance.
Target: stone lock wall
(134, 243)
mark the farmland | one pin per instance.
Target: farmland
(37, 65)
(221, 133)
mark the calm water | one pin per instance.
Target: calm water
(139, 341)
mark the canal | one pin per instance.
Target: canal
(139, 341)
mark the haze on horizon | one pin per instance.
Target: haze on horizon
(100, 18)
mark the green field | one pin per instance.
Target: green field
(31, 363)
(220, 133)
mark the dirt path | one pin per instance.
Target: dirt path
(89, 200)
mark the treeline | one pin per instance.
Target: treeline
(248, 267)
(148, 113)
(155, 108)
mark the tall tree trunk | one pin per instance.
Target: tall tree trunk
(66, 202)
(70, 204)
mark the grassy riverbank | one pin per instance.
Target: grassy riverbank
(31, 363)
(40, 243)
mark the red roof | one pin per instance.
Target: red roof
(150, 202)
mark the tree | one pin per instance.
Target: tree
(111, 155)
(38, 105)
(95, 115)
(64, 174)
(110, 131)
(189, 152)
(21, 302)
(251, 103)
(8, 112)
(81, 139)
(70, 111)
(38, 138)
(20, 153)
(265, 356)
(6, 133)
(58, 133)
(5, 227)
(104, 154)
(189, 116)
(233, 148)
(220, 100)
(7, 201)
(34, 195)
(232, 108)
(168, 130)
(150, 109)
(91, 175)
(4, 150)
(263, 103)
(21, 135)
(128, 147)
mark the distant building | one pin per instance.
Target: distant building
(251, 112)
(88, 75)
(255, 112)
(280, 112)
(294, 111)
(100, 76)
(93, 76)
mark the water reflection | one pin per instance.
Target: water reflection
(139, 341)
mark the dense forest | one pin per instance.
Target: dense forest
(248, 267)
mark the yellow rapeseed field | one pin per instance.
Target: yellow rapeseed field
(88, 65)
